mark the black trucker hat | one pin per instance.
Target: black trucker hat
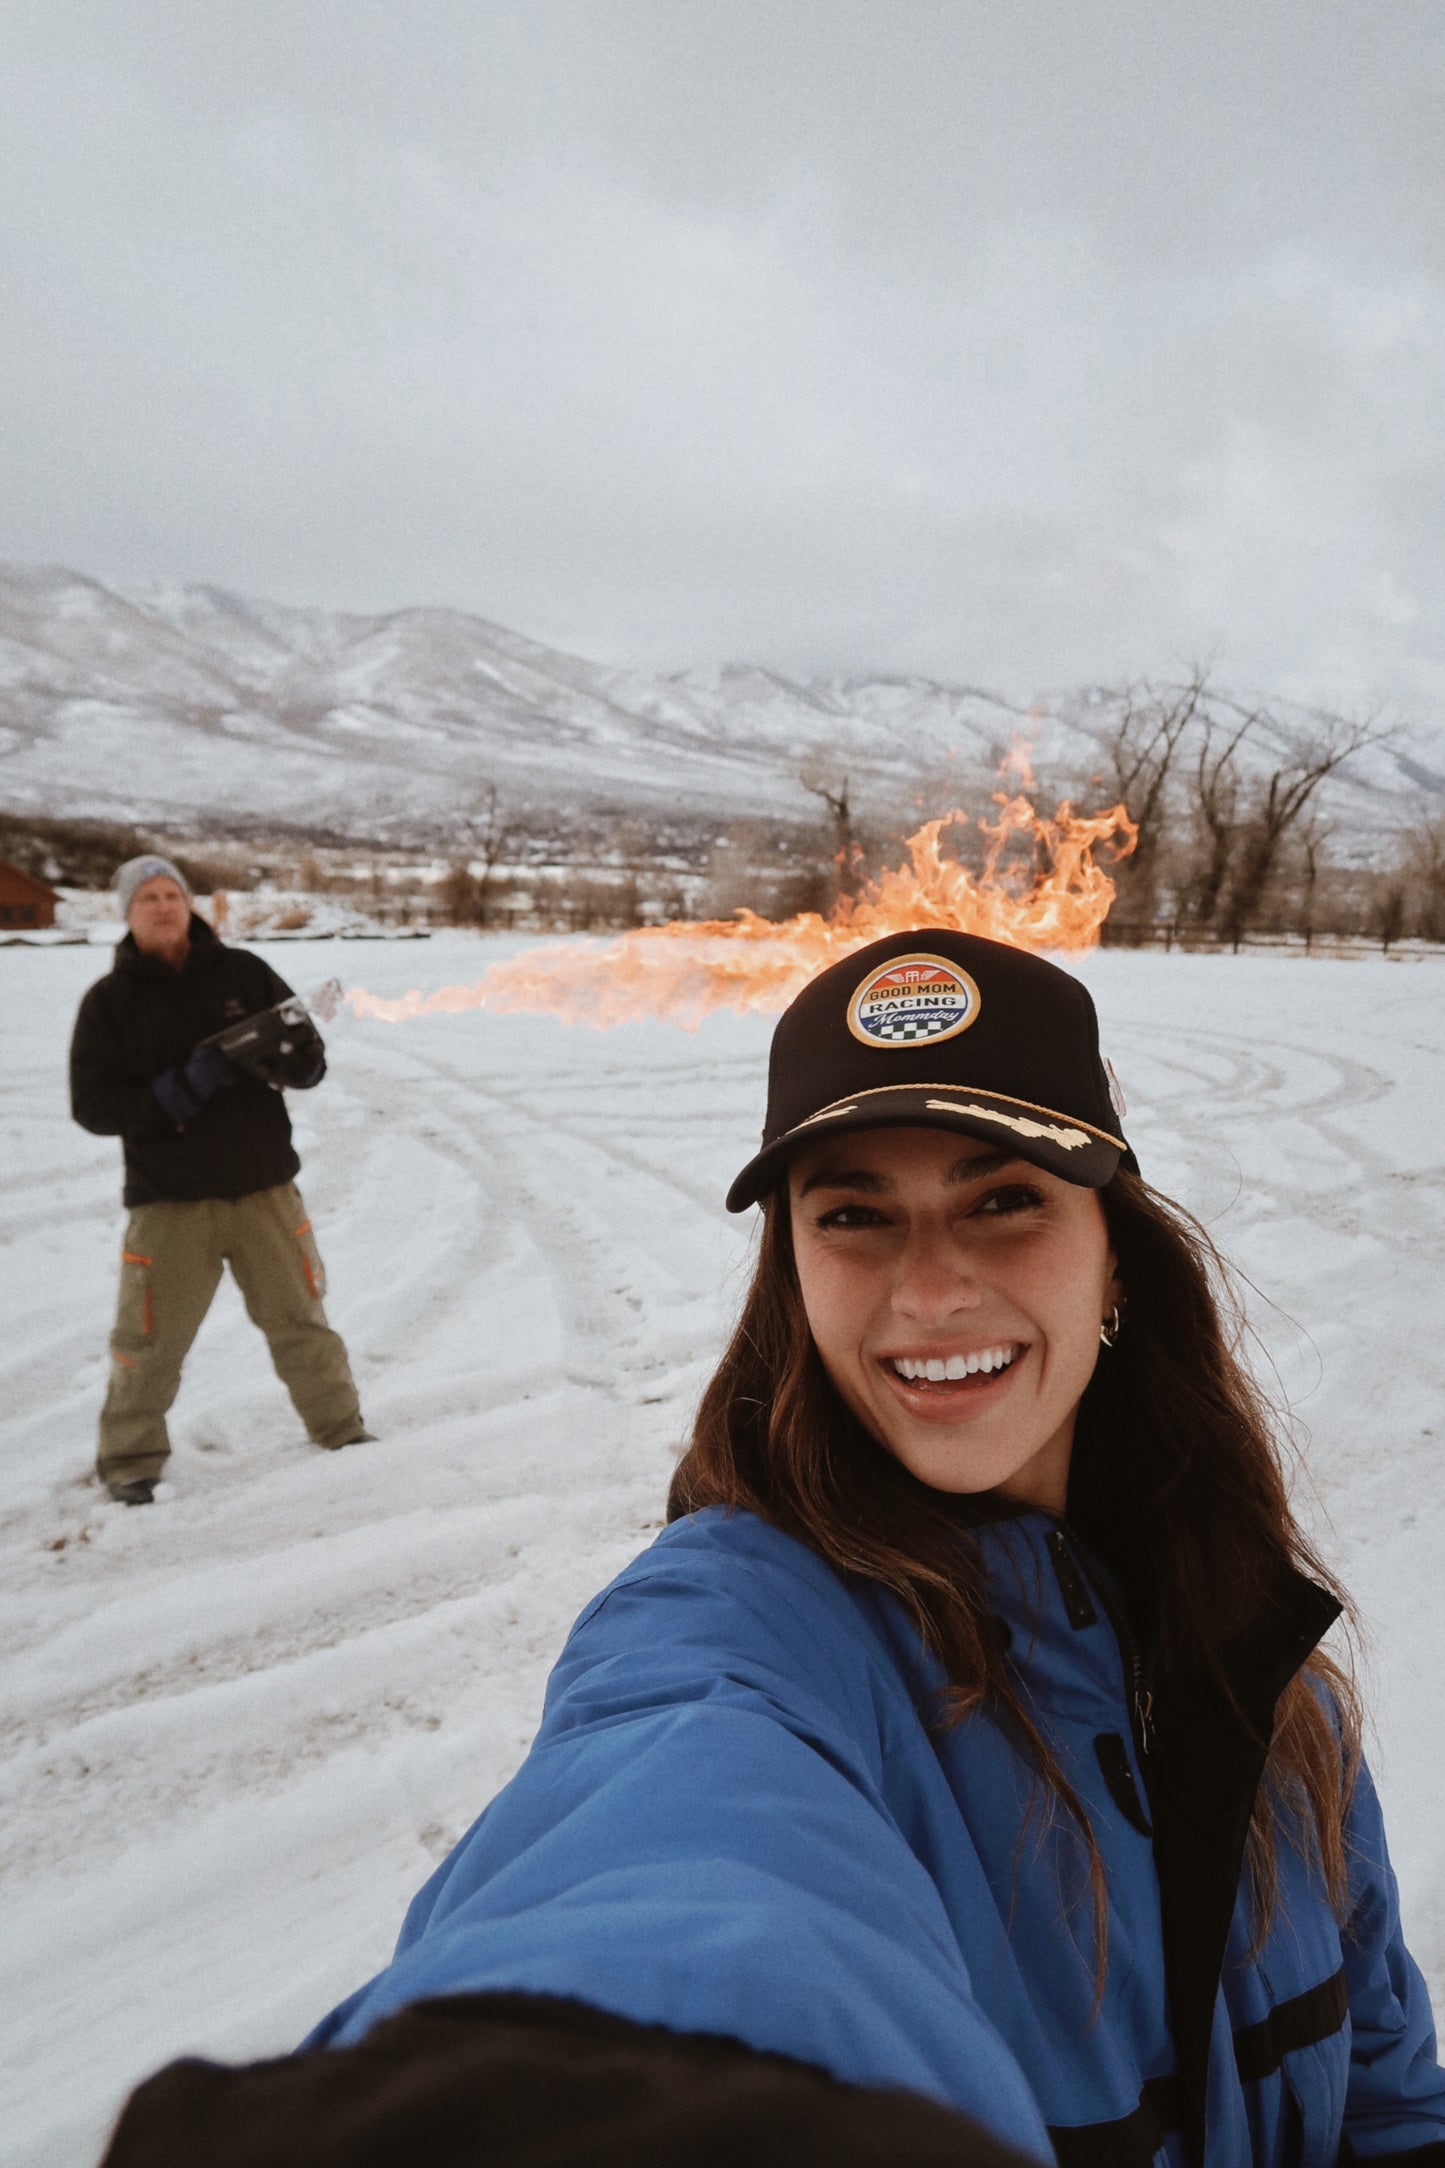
(938, 1030)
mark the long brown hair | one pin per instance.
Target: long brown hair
(1178, 1479)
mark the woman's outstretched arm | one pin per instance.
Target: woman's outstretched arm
(699, 1839)
(699, 1842)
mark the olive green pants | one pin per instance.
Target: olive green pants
(171, 1263)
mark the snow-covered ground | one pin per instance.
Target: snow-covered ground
(241, 1727)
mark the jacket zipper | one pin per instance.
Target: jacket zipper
(1139, 1696)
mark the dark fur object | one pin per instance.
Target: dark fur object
(523, 2081)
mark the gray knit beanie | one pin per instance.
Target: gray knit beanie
(147, 868)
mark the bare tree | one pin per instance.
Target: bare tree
(1313, 835)
(1139, 742)
(833, 790)
(1217, 784)
(1420, 868)
(487, 824)
(467, 889)
(1276, 805)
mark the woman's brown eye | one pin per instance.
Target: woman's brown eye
(1017, 1198)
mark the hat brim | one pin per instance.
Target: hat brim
(1060, 1143)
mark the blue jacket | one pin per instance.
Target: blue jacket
(735, 1819)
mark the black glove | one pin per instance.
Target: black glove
(183, 1092)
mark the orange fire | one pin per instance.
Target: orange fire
(1040, 888)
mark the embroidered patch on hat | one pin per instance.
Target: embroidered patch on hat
(913, 1001)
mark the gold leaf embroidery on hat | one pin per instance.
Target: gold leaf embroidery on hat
(1068, 1140)
(826, 1114)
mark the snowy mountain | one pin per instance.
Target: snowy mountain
(171, 703)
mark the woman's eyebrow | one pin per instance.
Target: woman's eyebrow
(979, 1164)
(857, 1178)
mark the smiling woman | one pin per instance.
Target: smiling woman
(959, 1777)
(956, 1303)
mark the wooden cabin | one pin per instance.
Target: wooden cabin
(24, 901)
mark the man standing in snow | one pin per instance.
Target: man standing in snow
(209, 1167)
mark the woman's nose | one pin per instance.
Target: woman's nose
(933, 1280)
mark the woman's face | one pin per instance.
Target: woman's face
(955, 1295)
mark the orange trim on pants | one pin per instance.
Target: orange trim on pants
(178, 1250)
(305, 1229)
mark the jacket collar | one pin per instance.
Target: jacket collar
(1063, 1615)
(1027, 1559)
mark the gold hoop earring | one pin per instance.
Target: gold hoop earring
(1109, 1330)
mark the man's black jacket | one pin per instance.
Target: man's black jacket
(146, 1017)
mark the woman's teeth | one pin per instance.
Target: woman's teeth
(934, 1369)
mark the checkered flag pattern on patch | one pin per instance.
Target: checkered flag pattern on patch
(921, 1024)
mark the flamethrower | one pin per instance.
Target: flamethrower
(279, 1045)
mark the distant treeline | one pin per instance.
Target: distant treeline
(85, 853)
(1232, 839)
(1227, 797)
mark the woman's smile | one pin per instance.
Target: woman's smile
(955, 1295)
(940, 1368)
(937, 1388)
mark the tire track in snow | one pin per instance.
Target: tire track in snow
(332, 1589)
(1258, 1092)
(596, 1263)
(465, 1647)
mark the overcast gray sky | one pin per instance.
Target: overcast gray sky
(1020, 341)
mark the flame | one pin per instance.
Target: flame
(1040, 888)
(1018, 763)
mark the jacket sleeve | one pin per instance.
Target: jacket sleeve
(699, 1839)
(104, 1097)
(1395, 2098)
